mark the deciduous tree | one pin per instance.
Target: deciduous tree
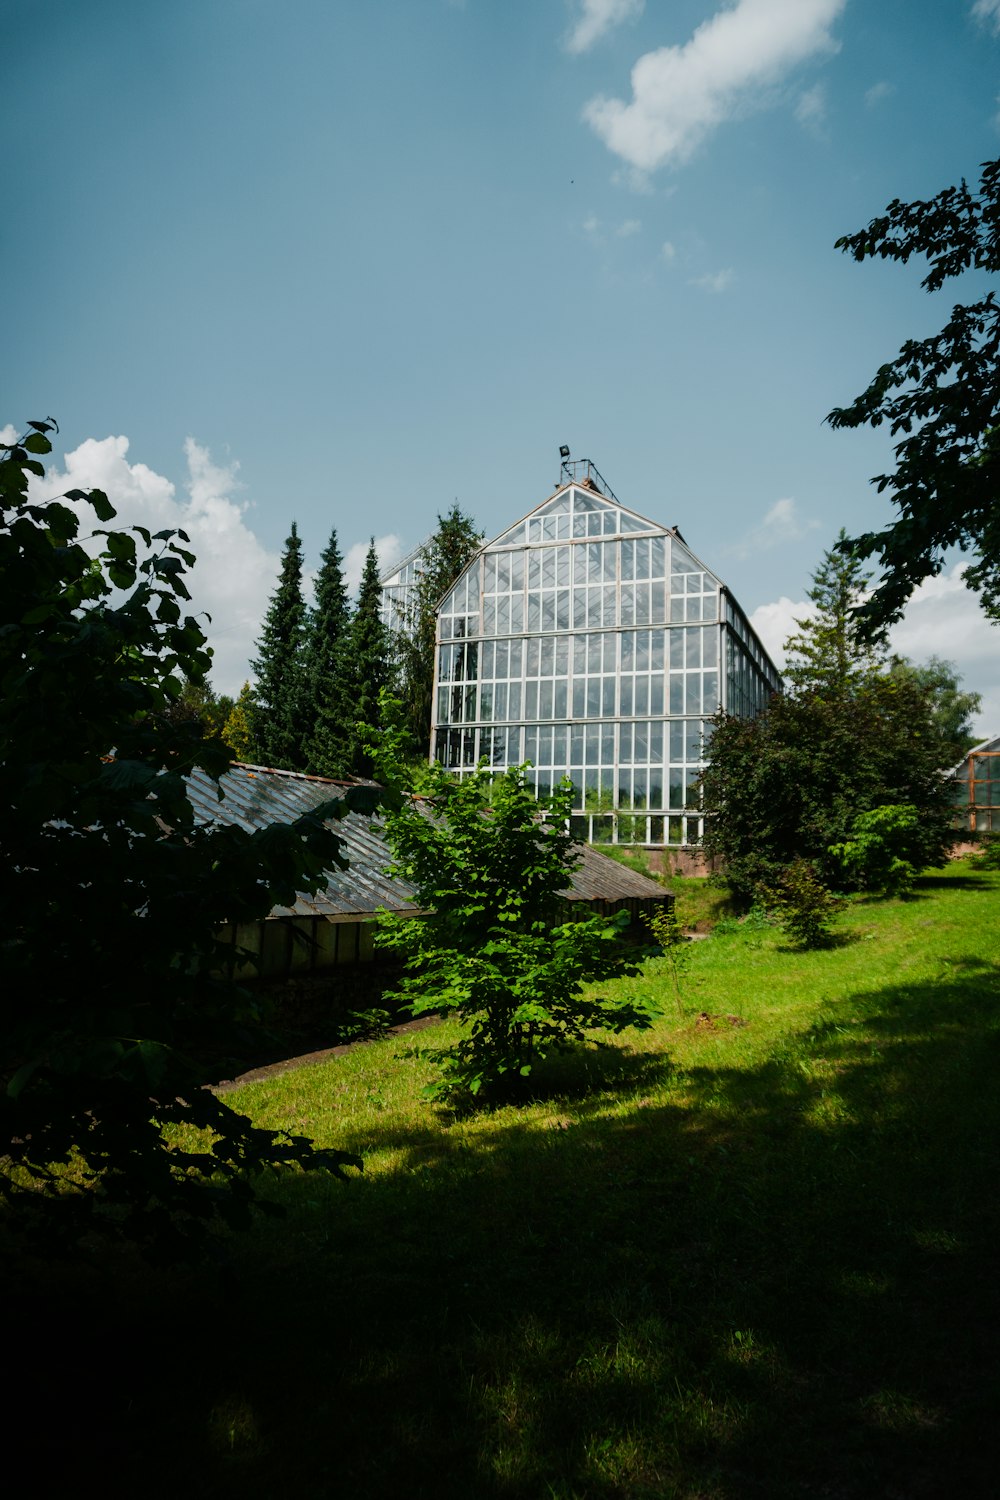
(496, 946)
(941, 397)
(114, 977)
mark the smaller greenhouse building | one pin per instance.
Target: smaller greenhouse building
(978, 788)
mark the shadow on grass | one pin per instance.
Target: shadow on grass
(778, 1281)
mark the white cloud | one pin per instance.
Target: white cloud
(9, 434)
(628, 228)
(389, 549)
(810, 111)
(668, 251)
(591, 225)
(598, 17)
(680, 94)
(714, 281)
(234, 575)
(781, 524)
(988, 13)
(881, 90)
(942, 619)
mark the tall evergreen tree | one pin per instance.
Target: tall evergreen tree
(368, 665)
(278, 700)
(829, 654)
(450, 549)
(329, 710)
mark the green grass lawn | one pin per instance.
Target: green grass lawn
(752, 1252)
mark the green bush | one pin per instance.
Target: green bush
(495, 945)
(881, 852)
(803, 905)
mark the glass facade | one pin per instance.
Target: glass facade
(594, 644)
(977, 790)
(396, 586)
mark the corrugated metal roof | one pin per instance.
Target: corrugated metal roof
(599, 878)
(257, 796)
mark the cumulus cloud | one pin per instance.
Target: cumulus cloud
(782, 523)
(234, 574)
(596, 18)
(987, 12)
(628, 228)
(714, 281)
(942, 619)
(681, 94)
(9, 434)
(389, 549)
(668, 250)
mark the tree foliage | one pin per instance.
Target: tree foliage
(237, 731)
(328, 728)
(369, 669)
(941, 397)
(450, 550)
(791, 782)
(883, 849)
(951, 709)
(114, 981)
(802, 904)
(278, 698)
(829, 652)
(496, 945)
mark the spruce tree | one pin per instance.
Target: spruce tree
(330, 713)
(278, 701)
(829, 654)
(449, 551)
(368, 666)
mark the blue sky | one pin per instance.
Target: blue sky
(347, 262)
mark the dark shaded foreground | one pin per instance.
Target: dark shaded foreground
(735, 1297)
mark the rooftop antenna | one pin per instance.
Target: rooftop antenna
(586, 471)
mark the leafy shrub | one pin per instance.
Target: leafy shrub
(803, 905)
(882, 848)
(988, 856)
(494, 945)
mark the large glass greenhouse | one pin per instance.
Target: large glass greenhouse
(593, 643)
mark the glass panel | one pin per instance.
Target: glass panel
(681, 560)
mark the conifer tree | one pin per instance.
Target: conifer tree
(278, 701)
(330, 713)
(449, 551)
(368, 665)
(829, 654)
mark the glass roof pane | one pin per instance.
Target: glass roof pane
(635, 523)
(513, 537)
(584, 500)
(681, 560)
(558, 506)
